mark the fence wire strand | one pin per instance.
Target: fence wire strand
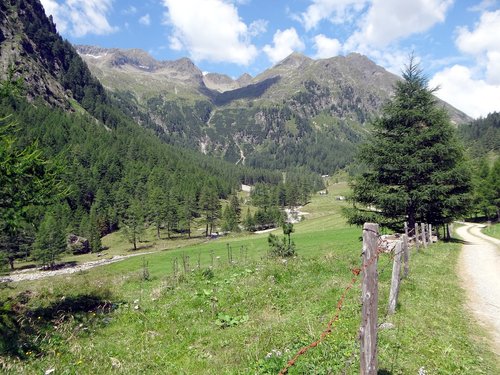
(383, 246)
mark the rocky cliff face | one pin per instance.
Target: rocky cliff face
(22, 28)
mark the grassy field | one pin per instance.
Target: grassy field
(245, 317)
(493, 230)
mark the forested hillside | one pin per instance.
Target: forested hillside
(59, 125)
(481, 138)
(482, 135)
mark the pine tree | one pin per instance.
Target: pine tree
(415, 169)
(210, 205)
(133, 223)
(94, 231)
(249, 221)
(50, 241)
(188, 210)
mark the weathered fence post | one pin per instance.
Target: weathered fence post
(424, 239)
(369, 298)
(417, 245)
(396, 278)
(406, 229)
(430, 233)
(406, 256)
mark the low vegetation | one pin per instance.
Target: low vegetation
(224, 306)
(493, 230)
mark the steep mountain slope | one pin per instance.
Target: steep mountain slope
(112, 169)
(482, 136)
(300, 111)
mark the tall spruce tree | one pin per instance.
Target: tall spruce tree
(50, 240)
(415, 170)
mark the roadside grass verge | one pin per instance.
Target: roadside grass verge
(493, 230)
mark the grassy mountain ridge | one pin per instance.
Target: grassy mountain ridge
(271, 120)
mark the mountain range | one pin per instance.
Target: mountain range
(300, 112)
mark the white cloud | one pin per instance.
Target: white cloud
(145, 20)
(389, 20)
(336, 11)
(482, 6)
(130, 10)
(209, 30)
(257, 27)
(285, 42)
(473, 96)
(326, 47)
(80, 17)
(483, 44)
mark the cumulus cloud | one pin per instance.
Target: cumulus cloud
(336, 11)
(326, 47)
(459, 88)
(209, 30)
(284, 43)
(482, 43)
(389, 20)
(80, 17)
(145, 20)
(476, 89)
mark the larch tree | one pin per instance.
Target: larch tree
(50, 240)
(415, 168)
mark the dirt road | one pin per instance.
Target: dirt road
(480, 271)
(38, 274)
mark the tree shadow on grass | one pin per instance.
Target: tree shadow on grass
(384, 372)
(21, 328)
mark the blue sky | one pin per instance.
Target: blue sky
(457, 42)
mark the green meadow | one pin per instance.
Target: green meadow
(224, 307)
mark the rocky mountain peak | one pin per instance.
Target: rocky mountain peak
(244, 79)
(184, 65)
(295, 60)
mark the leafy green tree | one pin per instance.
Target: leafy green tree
(494, 184)
(248, 221)
(284, 247)
(27, 180)
(415, 169)
(95, 231)
(231, 215)
(157, 208)
(50, 240)
(188, 211)
(210, 206)
(133, 222)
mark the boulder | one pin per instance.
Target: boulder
(78, 245)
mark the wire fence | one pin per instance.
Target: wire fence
(397, 247)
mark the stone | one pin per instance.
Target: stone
(78, 245)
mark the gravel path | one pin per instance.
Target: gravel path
(38, 274)
(480, 272)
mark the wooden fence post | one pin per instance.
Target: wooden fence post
(417, 245)
(396, 278)
(406, 256)
(424, 239)
(369, 298)
(430, 233)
